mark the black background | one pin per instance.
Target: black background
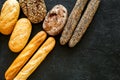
(96, 57)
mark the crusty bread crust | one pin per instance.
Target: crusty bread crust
(24, 56)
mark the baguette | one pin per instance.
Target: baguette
(84, 22)
(25, 55)
(72, 21)
(37, 58)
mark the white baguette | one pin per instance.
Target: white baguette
(36, 60)
(23, 57)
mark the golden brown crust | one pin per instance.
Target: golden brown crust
(37, 58)
(23, 57)
(9, 15)
(20, 35)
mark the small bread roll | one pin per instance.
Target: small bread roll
(55, 20)
(9, 15)
(20, 35)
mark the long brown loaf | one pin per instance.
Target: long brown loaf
(37, 58)
(23, 57)
(72, 21)
(84, 22)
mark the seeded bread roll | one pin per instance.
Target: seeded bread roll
(35, 10)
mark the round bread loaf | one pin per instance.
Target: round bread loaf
(55, 20)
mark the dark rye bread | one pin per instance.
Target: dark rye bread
(84, 22)
(72, 21)
(35, 10)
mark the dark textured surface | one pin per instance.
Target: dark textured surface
(96, 57)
